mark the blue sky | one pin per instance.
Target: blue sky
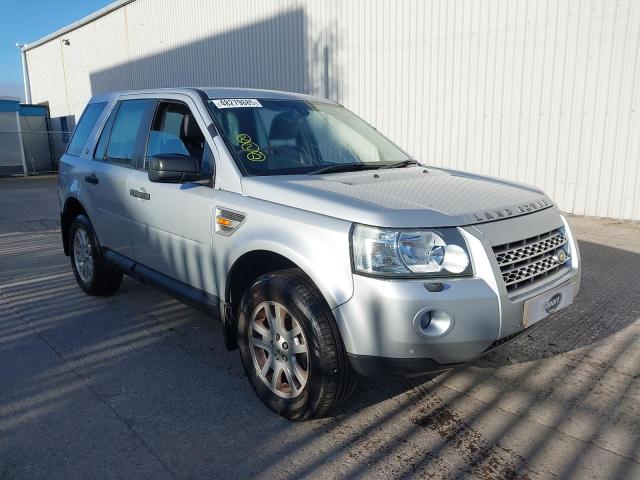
(25, 21)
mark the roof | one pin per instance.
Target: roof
(221, 92)
(83, 21)
(213, 93)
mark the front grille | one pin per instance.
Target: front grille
(531, 260)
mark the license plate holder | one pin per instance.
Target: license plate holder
(540, 307)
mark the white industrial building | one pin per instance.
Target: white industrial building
(540, 91)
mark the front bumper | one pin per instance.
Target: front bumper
(378, 324)
(396, 367)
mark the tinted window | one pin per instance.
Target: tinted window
(174, 131)
(126, 130)
(85, 125)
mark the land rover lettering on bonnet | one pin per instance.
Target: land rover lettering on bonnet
(323, 249)
(497, 214)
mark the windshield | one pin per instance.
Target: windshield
(276, 137)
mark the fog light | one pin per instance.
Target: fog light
(432, 323)
(425, 320)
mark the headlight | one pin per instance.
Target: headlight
(409, 253)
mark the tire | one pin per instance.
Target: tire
(327, 373)
(99, 279)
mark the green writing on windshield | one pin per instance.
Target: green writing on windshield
(252, 151)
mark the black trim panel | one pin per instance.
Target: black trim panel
(125, 263)
(63, 237)
(194, 297)
(371, 366)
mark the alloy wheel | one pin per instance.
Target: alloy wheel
(279, 349)
(83, 255)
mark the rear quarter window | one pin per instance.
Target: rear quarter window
(85, 126)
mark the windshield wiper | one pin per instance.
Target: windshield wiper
(401, 164)
(352, 167)
(345, 167)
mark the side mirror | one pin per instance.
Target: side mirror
(174, 168)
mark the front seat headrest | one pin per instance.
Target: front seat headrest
(285, 126)
(190, 129)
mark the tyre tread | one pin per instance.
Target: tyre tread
(339, 386)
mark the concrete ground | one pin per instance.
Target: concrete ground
(140, 386)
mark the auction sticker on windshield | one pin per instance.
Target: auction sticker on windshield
(237, 103)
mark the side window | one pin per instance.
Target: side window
(85, 126)
(101, 148)
(174, 131)
(128, 124)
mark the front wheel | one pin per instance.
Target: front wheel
(291, 347)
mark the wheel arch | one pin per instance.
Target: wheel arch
(245, 270)
(72, 208)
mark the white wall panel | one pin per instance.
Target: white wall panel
(539, 91)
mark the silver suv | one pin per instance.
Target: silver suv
(322, 247)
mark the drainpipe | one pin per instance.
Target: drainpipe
(27, 98)
(25, 72)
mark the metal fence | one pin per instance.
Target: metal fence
(31, 152)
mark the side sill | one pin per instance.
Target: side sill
(122, 262)
(194, 297)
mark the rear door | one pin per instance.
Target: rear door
(73, 164)
(117, 153)
(172, 223)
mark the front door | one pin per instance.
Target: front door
(172, 224)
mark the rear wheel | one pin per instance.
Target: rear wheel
(94, 274)
(291, 347)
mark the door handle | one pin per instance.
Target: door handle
(138, 194)
(91, 179)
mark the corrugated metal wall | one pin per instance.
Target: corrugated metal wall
(539, 91)
(10, 144)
